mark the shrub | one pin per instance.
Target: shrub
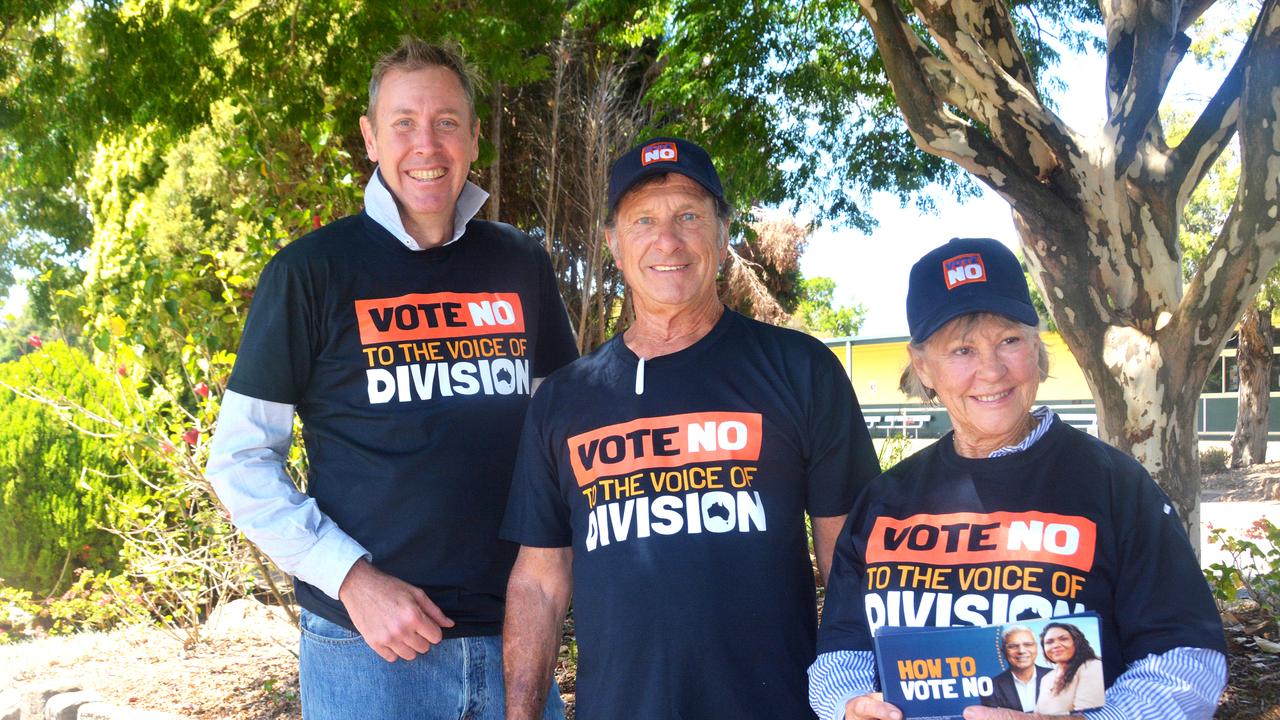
(168, 535)
(95, 601)
(1254, 566)
(56, 480)
(893, 450)
(1213, 460)
(18, 611)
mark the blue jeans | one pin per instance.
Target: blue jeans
(342, 678)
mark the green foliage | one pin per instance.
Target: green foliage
(177, 249)
(154, 155)
(819, 313)
(791, 99)
(57, 482)
(1253, 567)
(15, 335)
(95, 601)
(174, 542)
(893, 450)
(1213, 460)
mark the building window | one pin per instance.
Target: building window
(1213, 383)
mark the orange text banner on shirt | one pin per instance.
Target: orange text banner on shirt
(976, 538)
(664, 442)
(428, 316)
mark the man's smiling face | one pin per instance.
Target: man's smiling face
(424, 137)
(669, 244)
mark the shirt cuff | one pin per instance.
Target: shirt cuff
(1181, 684)
(327, 563)
(837, 677)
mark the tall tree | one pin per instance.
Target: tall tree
(818, 312)
(1254, 360)
(570, 88)
(1206, 211)
(1098, 215)
(1225, 27)
(762, 276)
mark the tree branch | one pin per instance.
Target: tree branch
(920, 83)
(1191, 11)
(1212, 131)
(979, 41)
(903, 55)
(1248, 246)
(1140, 37)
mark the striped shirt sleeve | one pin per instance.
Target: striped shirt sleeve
(1181, 684)
(837, 677)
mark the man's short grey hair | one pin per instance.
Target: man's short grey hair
(724, 213)
(1004, 636)
(414, 54)
(910, 383)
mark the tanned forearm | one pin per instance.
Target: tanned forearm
(825, 532)
(537, 599)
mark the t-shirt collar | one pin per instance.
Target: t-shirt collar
(381, 207)
(1044, 419)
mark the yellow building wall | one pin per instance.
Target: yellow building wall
(1066, 381)
(877, 365)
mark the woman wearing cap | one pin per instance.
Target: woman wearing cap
(1013, 515)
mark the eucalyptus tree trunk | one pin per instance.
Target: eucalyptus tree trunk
(1253, 358)
(1098, 214)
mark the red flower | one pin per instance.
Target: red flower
(122, 371)
(191, 437)
(202, 389)
(35, 341)
(315, 222)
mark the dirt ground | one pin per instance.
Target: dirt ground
(245, 665)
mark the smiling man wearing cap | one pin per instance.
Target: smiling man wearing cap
(664, 480)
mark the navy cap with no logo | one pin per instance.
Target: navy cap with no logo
(662, 155)
(966, 275)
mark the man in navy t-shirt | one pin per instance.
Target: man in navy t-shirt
(408, 338)
(663, 481)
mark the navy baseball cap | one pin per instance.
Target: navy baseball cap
(662, 155)
(966, 275)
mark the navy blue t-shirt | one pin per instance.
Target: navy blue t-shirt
(411, 373)
(1070, 525)
(685, 507)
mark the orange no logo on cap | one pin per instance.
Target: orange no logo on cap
(659, 152)
(963, 269)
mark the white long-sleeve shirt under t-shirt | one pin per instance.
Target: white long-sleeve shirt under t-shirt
(251, 446)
